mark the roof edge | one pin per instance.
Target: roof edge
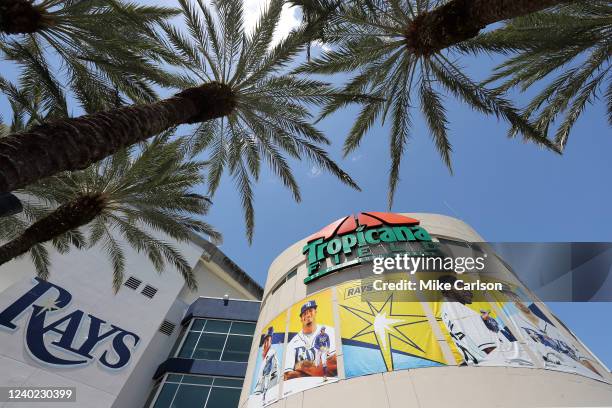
(230, 267)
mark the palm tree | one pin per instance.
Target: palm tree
(269, 117)
(399, 59)
(264, 110)
(570, 45)
(20, 17)
(316, 14)
(438, 25)
(135, 197)
(85, 49)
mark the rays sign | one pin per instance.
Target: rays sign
(51, 333)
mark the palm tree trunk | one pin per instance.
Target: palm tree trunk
(19, 17)
(75, 143)
(460, 20)
(66, 217)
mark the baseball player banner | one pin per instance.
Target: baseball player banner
(476, 332)
(384, 333)
(267, 374)
(310, 359)
(556, 350)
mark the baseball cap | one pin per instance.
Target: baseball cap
(269, 333)
(311, 304)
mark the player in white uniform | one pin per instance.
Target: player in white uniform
(557, 351)
(321, 345)
(301, 357)
(478, 335)
(268, 371)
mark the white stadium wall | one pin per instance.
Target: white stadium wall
(87, 277)
(365, 373)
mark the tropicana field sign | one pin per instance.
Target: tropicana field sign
(357, 234)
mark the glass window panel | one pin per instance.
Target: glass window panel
(174, 378)
(278, 285)
(229, 382)
(177, 343)
(210, 346)
(217, 326)
(165, 396)
(237, 348)
(198, 324)
(192, 396)
(243, 328)
(223, 398)
(151, 396)
(197, 379)
(291, 274)
(189, 345)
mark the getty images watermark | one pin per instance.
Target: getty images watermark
(412, 264)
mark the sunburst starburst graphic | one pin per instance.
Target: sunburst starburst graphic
(48, 305)
(387, 327)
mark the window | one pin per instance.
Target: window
(223, 340)
(283, 280)
(196, 391)
(291, 274)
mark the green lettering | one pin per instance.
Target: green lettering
(421, 234)
(364, 251)
(313, 267)
(403, 234)
(311, 249)
(336, 259)
(320, 254)
(360, 238)
(387, 235)
(334, 246)
(348, 242)
(369, 236)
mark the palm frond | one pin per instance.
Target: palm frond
(567, 49)
(375, 41)
(271, 121)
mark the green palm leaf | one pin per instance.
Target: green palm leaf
(566, 50)
(146, 195)
(383, 45)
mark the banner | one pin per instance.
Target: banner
(311, 349)
(391, 329)
(381, 334)
(556, 351)
(477, 333)
(266, 377)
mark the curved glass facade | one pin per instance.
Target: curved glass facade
(196, 391)
(208, 362)
(218, 340)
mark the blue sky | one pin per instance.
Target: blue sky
(506, 189)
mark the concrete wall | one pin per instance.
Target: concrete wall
(425, 387)
(87, 275)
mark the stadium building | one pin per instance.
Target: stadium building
(326, 339)
(313, 337)
(154, 343)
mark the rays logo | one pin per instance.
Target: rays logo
(46, 302)
(357, 233)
